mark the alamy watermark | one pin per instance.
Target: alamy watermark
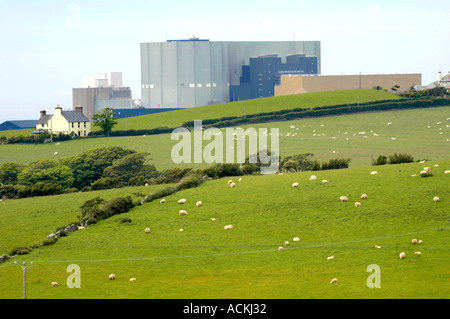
(190, 148)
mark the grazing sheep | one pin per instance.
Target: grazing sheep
(402, 255)
(181, 229)
(357, 204)
(182, 201)
(423, 172)
(54, 284)
(162, 201)
(331, 257)
(418, 253)
(343, 198)
(182, 212)
(324, 181)
(132, 279)
(413, 175)
(376, 246)
(389, 123)
(232, 185)
(373, 173)
(286, 243)
(230, 181)
(147, 230)
(198, 204)
(364, 196)
(414, 241)
(81, 227)
(313, 178)
(420, 242)
(228, 227)
(296, 239)
(447, 172)
(334, 281)
(146, 184)
(56, 153)
(436, 165)
(240, 179)
(112, 277)
(280, 248)
(435, 199)
(212, 218)
(295, 185)
(426, 168)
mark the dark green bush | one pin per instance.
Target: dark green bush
(381, 160)
(160, 193)
(400, 158)
(19, 251)
(190, 181)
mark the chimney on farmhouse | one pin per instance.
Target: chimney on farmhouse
(43, 113)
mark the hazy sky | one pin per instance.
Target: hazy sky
(47, 47)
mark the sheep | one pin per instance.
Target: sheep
(334, 281)
(414, 241)
(389, 123)
(420, 242)
(296, 239)
(240, 179)
(376, 246)
(295, 185)
(55, 284)
(162, 201)
(280, 248)
(435, 199)
(181, 229)
(81, 227)
(286, 243)
(343, 198)
(198, 204)
(447, 172)
(228, 227)
(402, 255)
(324, 181)
(182, 212)
(132, 279)
(147, 230)
(230, 181)
(112, 277)
(426, 168)
(357, 204)
(212, 218)
(331, 257)
(364, 196)
(373, 173)
(232, 185)
(313, 178)
(418, 253)
(182, 201)
(56, 153)
(146, 184)
(436, 165)
(423, 172)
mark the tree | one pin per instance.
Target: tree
(49, 171)
(3, 139)
(105, 119)
(9, 172)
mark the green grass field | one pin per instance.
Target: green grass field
(334, 133)
(207, 261)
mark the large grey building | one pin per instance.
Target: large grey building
(197, 72)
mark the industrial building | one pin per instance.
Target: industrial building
(197, 72)
(295, 84)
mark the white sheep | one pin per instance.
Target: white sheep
(280, 248)
(56, 153)
(147, 230)
(402, 255)
(357, 204)
(162, 201)
(420, 242)
(233, 185)
(373, 173)
(324, 181)
(212, 218)
(54, 284)
(414, 241)
(112, 277)
(240, 179)
(182, 201)
(295, 185)
(343, 198)
(313, 178)
(376, 246)
(198, 204)
(447, 172)
(230, 181)
(181, 229)
(228, 227)
(436, 165)
(426, 168)
(331, 257)
(132, 279)
(286, 243)
(334, 281)
(435, 199)
(182, 212)
(81, 227)
(418, 253)
(296, 239)
(364, 196)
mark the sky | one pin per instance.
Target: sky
(48, 46)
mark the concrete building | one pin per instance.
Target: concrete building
(66, 122)
(101, 92)
(295, 84)
(197, 72)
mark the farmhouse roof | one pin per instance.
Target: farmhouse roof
(74, 116)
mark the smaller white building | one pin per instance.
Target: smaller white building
(66, 122)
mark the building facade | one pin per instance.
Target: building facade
(295, 84)
(198, 72)
(66, 122)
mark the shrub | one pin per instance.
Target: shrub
(125, 220)
(19, 251)
(400, 158)
(160, 193)
(337, 163)
(228, 169)
(316, 166)
(190, 181)
(50, 241)
(381, 160)
(107, 183)
(8, 191)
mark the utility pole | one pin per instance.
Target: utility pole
(24, 267)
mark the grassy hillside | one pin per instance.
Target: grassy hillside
(206, 261)
(239, 108)
(320, 136)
